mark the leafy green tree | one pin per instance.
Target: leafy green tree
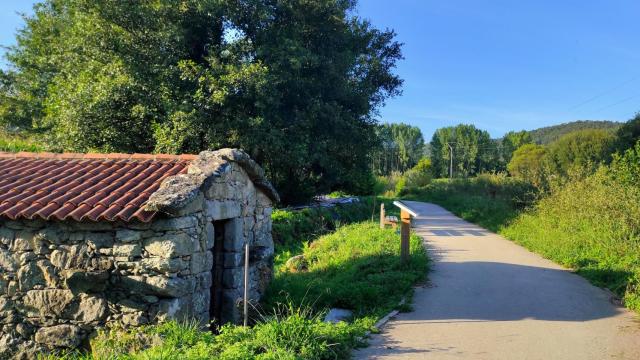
(292, 82)
(580, 152)
(628, 134)
(473, 151)
(512, 141)
(529, 163)
(401, 147)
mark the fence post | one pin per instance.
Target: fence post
(382, 216)
(405, 231)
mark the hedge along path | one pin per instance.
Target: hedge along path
(492, 299)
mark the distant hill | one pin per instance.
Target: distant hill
(546, 135)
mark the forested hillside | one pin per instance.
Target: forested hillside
(549, 134)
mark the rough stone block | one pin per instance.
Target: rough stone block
(127, 250)
(80, 281)
(22, 241)
(158, 285)
(233, 278)
(164, 265)
(90, 309)
(127, 236)
(175, 223)
(201, 262)
(6, 236)
(171, 244)
(210, 236)
(99, 240)
(46, 303)
(226, 209)
(7, 263)
(29, 276)
(234, 237)
(59, 336)
(70, 257)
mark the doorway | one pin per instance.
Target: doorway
(217, 288)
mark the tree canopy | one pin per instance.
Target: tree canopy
(294, 83)
(473, 151)
(512, 141)
(401, 147)
(529, 163)
(581, 151)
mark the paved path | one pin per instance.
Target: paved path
(489, 298)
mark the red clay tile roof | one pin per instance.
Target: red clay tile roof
(83, 186)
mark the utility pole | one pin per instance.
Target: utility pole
(450, 161)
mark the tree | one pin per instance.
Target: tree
(292, 82)
(512, 141)
(580, 151)
(473, 151)
(401, 147)
(529, 163)
(628, 134)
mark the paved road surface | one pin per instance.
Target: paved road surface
(489, 298)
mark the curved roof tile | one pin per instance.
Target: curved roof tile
(83, 186)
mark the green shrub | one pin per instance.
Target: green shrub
(580, 151)
(529, 164)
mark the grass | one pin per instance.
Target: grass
(294, 335)
(294, 229)
(357, 267)
(591, 225)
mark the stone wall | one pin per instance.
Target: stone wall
(59, 281)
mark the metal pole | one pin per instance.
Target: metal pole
(246, 284)
(450, 161)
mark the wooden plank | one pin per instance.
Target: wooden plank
(404, 207)
(382, 217)
(405, 231)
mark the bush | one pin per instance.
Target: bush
(387, 185)
(580, 151)
(529, 164)
(415, 178)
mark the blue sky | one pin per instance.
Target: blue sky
(499, 64)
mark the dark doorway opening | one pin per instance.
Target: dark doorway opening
(215, 310)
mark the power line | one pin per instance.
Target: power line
(617, 102)
(604, 93)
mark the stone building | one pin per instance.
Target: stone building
(88, 240)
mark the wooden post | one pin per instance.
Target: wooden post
(381, 216)
(246, 285)
(405, 231)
